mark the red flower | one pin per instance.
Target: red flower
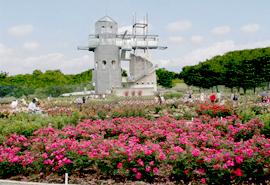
(213, 97)
(203, 180)
(238, 172)
(119, 165)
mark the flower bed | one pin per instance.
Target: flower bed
(138, 149)
(214, 110)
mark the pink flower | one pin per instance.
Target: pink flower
(178, 149)
(148, 152)
(230, 163)
(172, 157)
(44, 155)
(138, 175)
(119, 165)
(162, 156)
(249, 152)
(140, 162)
(217, 166)
(135, 170)
(148, 169)
(196, 152)
(239, 159)
(201, 171)
(48, 161)
(151, 163)
(238, 172)
(67, 161)
(203, 180)
(155, 171)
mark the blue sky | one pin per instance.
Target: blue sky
(37, 34)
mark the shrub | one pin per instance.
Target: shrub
(213, 110)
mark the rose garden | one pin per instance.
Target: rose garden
(176, 142)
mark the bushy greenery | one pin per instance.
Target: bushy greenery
(171, 95)
(165, 78)
(54, 82)
(26, 124)
(246, 69)
(51, 82)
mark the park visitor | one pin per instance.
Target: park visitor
(213, 97)
(33, 108)
(202, 97)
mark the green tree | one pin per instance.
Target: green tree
(165, 77)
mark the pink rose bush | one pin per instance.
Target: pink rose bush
(204, 151)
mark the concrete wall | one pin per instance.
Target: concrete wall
(149, 81)
(107, 69)
(106, 27)
(134, 92)
(139, 66)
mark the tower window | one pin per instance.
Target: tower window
(113, 63)
(104, 64)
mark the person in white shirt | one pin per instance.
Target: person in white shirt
(202, 97)
(79, 102)
(14, 104)
(33, 108)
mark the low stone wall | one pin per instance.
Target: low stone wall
(134, 92)
(9, 182)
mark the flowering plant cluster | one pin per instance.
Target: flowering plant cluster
(138, 149)
(214, 110)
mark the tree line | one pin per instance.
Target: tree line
(49, 83)
(246, 69)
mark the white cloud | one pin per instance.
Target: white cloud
(20, 30)
(31, 45)
(5, 51)
(196, 39)
(221, 30)
(176, 39)
(14, 63)
(179, 26)
(162, 62)
(250, 28)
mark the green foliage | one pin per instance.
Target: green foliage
(266, 120)
(51, 82)
(3, 75)
(101, 114)
(26, 124)
(177, 81)
(165, 77)
(245, 69)
(124, 73)
(171, 95)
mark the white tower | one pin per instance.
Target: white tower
(108, 46)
